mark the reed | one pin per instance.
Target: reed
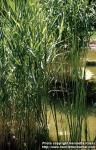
(72, 35)
(24, 52)
(34, 34)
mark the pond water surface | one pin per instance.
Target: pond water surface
(63, 130)
(92, 56)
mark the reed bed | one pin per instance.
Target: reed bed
(34, 36)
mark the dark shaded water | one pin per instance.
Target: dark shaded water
(61, 116)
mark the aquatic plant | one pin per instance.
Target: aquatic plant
(34, 36)
(25, 45)
(72, 35)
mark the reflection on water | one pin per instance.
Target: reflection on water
(92, 56)
(62, 125)
(92, 113)
(93, 70)
(63, 129)
(88, 74)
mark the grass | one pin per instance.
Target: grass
(33, 35)
(24, 45)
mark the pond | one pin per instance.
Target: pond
(92, 56)
(63, 130)
(62, 123)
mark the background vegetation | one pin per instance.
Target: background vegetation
(35, 37)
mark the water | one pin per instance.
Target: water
(61, 116)
(63, 129)
(92, 56)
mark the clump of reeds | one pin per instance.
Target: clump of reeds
(24, 52)
(33, 34)
(72, 37)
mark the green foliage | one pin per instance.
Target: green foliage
(33, 34)
(24, 53)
